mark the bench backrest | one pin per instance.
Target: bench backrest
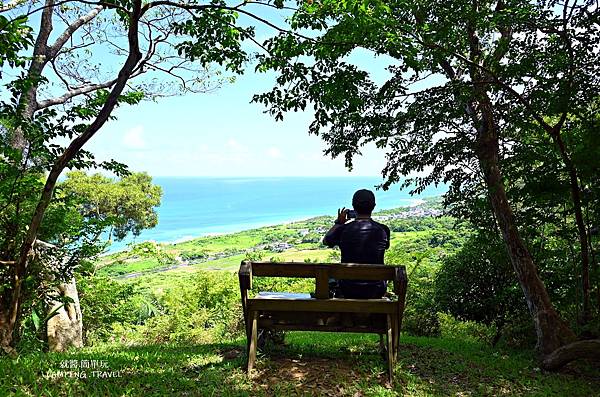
(321, 272)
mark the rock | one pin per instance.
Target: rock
(65, 329)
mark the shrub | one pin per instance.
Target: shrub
(203, 309)
(450, 327)
(478, 283)
(105, 302)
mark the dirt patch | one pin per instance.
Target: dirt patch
(313, 376)
(232, 353)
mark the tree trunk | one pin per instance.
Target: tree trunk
(581, 229)
(65, 328)
(5, 333)
(585, 349)
(21, 265)
(28, 101)
(552, 332)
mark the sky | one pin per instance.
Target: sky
(222, 134)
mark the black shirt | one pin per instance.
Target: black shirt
(361, 241)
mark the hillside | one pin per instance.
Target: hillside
(165, 319)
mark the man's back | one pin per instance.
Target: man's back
(360, 241)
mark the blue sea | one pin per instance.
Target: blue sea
(193, 207)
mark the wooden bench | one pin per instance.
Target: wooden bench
(301, 312)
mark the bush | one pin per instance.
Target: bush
(204, 309)
(464, 330)
(420, 313)
(105, 302)
(478, 283)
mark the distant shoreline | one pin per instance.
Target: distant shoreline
(415, 202)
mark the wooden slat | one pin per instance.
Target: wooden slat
(347, 271)
(325, 328)
(245, 275)
(245, 278)
(268, 318)
(322, 283)
(325, 305)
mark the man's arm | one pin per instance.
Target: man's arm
(332, 237)
(388, 233)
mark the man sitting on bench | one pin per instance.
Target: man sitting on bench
(361, 240)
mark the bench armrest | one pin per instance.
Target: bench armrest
(245, 275)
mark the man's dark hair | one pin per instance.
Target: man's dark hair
(363, 201)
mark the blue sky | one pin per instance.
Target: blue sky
(221, 133)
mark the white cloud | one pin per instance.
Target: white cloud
(133, 138)
(274, 153)
(233, 144)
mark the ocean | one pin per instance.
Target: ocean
(193, 207)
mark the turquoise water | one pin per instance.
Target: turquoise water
(193, 207)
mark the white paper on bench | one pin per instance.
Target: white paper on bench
(282, 295)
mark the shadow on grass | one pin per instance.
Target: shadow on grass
(308, 364)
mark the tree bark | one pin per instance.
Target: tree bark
(552, 332)
(585, 349)
(5, 333)
(65, 329)
(28, 101)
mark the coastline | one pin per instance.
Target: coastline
(414, 203)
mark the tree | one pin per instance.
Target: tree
(85, 210)
(468, 79)
(477, 283)
(114, 208)
(194, 33)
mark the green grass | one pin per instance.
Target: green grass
(309, 364)
(128, 267)
(319, 255)
(163, 280)
(404, 237)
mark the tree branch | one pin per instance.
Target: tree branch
(589, 349)
(11, 5)
(74, 92)
(72, 28)
(70, 152)
(211, 6)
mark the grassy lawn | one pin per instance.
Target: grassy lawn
(231, 263)
(309, 364)
(319, 255)
(128, 267)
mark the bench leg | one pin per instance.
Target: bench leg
(395, 336)
(252, 339)
(390, 349)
